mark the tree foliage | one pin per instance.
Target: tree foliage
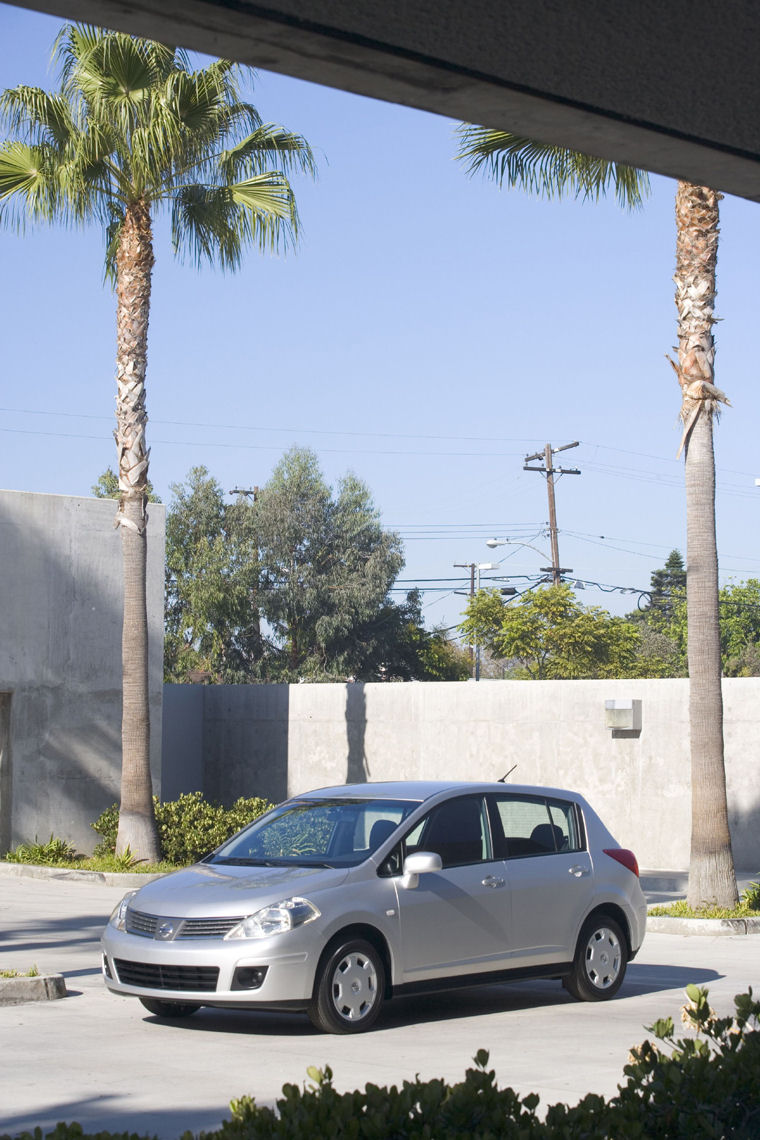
(663, 622)
(291, 585)
(548, 634)
(212, 573)
(546, 170)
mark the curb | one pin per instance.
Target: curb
(45, 987)
(715, 927)
(107, 878)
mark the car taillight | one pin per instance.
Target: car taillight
(624, 856)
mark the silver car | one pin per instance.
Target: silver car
(342, 897)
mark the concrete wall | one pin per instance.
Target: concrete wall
(60, 662)
(279, 740)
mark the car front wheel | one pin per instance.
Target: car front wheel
(600, 960)
(169, 1008)
(349, 989)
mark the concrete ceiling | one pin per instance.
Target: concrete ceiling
(669, 85)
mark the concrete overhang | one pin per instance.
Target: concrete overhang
(672, 86)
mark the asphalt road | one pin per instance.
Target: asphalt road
(105, 1062)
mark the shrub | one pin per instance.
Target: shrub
(751, 896)
(188, 827)
(56, 852)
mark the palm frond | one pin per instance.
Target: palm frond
(29, 186)
(114, 228)
(267, 143)
(113, 72)
(37, 116)
(546, 170)
(217, 223)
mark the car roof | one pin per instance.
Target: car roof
(420, 790)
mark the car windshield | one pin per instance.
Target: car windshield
(316, 833)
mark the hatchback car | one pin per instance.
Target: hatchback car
(342, 897)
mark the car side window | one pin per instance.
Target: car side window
(457, 830)
(525, 826)
(566, 817)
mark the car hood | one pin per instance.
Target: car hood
(208, 890)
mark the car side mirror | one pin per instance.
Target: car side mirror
(419, 863)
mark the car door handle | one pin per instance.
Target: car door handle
(492, 881)
(578, 870)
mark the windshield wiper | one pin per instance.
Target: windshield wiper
(240, 861)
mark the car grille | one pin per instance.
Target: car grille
(148, 926)
(149, 975)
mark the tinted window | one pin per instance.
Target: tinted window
(457, 830)
(532, 825)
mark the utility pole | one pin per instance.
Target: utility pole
(475, 568)
(549, 471)
(471, 567)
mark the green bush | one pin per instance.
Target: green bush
(751, 896)
(701, 1087)
(188, 828)
(56, 852)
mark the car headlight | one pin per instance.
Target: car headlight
(119, 916)
(275, 919)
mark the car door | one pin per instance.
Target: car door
(454, 921)
(548, 875)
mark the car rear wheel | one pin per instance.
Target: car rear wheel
(600, 960)
(169, 1008)
(349, 989)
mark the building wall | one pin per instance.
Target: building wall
(60, 662)
(279, 740)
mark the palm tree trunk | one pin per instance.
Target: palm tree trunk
(711, 872)
(134, 262)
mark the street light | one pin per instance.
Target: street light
(494, 542)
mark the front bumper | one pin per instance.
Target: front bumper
(210, 971)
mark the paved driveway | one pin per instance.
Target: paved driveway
(104, 1061)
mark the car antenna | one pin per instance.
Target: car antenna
(503, 779)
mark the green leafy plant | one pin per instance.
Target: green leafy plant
(188, 827)
(749, 907)
(56, 852)
(751, 896)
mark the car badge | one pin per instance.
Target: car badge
(166, 930)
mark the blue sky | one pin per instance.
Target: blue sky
(428, 334)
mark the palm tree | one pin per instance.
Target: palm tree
(551, 171)
(712, 878)
(134, 130)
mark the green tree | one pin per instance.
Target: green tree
(668, 588)
(215, 589)
(132, 131)
(740, 628)
(212, 571)
(395, 646)
(547, 634)
(327, 566)
(739, 608)
(550, 170)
